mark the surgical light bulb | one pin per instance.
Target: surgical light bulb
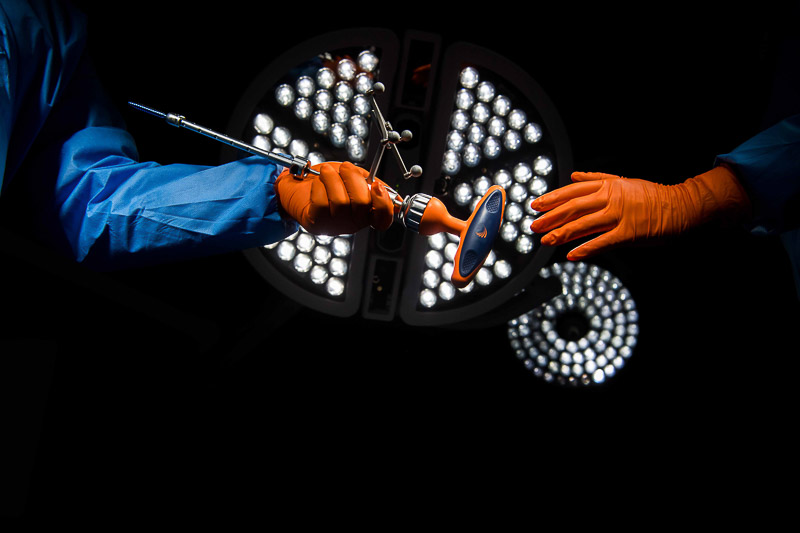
(343, 91)
(512, 140)
(471, 155)
(460, 120)
(517, 119)
(338, 266)
(367, 61)
(320, 121)
(305, 86)
(542, 165)
(469, 78)
(323, 99)
(340, 113)
(284, 95)
(455, 141)
(451, 162)
(356, 149)
(346, 69)
(481, 113)
(302, 263)
(335, 286)
(326, 78)
(338, 135)
(485, 91)
(361, 104)
(492, 148)
(462, 194)
(501, 105)
(263, 142)
(496, 126)
(363, 83)
(502, 178)
(481, 185)
(318, 275)
(340, 247)
(281, 137)
(532, 132)
(359, 126)
(464, 99)
(475, 133)
(298, 147)
(427, 298)
(263, 124)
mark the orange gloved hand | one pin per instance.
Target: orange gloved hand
(338, 201)
(629, 210)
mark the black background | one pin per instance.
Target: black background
(195, 387)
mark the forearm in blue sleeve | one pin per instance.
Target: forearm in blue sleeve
(118, 212)
(768, 166)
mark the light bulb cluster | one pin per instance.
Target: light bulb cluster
(332, 100)
(323, 260)
(485, 124)
(439, 264)
(603, 333)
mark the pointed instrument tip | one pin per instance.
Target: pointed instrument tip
(146, 109)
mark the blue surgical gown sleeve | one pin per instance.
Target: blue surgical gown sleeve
(112, 210)
(768, 166)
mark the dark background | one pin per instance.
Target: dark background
(179, 387)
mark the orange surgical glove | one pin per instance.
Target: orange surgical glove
(338, 201)
(629, 210)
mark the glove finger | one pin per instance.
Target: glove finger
(337, 199)
(358, 192)
(592, 176)
(564, 194)
(593, 247)
(572, 210)
(382, 213)
(588, 225)
(317, 211)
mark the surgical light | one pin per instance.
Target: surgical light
(480, 122)
(583, 336)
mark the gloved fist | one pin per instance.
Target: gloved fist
(338, 201)
(629, 210)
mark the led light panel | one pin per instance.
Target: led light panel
(583, 336)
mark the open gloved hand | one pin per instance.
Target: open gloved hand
(625, 210)
(338, 201)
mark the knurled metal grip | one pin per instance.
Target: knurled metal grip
(412, 211)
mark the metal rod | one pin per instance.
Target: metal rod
(180, 121)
